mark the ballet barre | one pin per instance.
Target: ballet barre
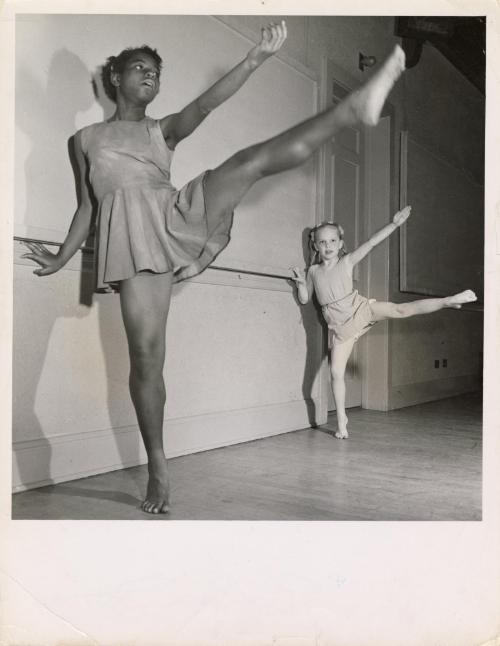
(234, 270)
(23, 239)
(251, 272)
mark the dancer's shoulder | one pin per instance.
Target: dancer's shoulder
(83, 135)
(92, 126)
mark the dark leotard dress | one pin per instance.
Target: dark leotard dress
(347, 313)
(143, 222)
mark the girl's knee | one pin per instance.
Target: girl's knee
(337, 374)
(249, 161)
(147, 359)
(273, 160)
(264, 159)
(300, 152)
(401, 310)
(397, 310)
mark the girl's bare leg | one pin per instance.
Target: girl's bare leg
(340, 354)
(383, 310)
(145, 301)
(227, 184)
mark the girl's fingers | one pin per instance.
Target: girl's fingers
(282, 32)
(279, 33)
(30, 256)
(274, 34)
(298, 277)
(39, 259)
(34, 245)
(37, 248)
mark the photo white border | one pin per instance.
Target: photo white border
(241, 582)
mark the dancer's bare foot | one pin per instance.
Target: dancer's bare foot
(342, 433)
(157, 494)
(365, 105)
(458, 300)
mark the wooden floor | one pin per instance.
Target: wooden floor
(417, 463)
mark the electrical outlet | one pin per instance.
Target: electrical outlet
(436, 363)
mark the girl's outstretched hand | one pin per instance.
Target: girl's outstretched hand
(401, 216)
(48, 261)
(299, 276)
(273, 37)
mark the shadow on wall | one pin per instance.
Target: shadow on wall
(40, 112)
(311, 317)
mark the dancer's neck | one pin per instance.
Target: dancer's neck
(133, 113)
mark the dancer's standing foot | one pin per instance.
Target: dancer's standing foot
(342, 433)
(157, 495)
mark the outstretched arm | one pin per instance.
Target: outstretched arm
(78, 231)
(181, 124)
(358, 254)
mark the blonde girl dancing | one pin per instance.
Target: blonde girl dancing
(347, 313)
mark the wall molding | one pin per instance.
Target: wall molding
(62, 458)
(427, 391)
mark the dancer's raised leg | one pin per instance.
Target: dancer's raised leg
(383, 310)
(340, 354)
(227, 184)
(145, 301)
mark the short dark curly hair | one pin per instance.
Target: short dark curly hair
(117, 64)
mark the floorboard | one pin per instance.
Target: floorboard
(419, 463)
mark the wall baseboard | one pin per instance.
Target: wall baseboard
(46, 461)
(427, 391)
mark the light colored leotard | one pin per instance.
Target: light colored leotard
(347, 313)
(143, 222)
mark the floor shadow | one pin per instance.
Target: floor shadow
(97, 494)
